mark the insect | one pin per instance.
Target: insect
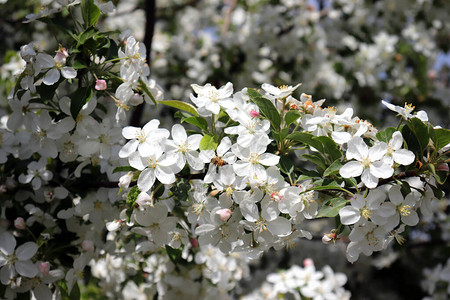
(218, 161)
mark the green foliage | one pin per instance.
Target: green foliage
(90, 12)
(331, 208)
(79, 98)
(208, 142)
(180, 105)
(291, 116)
(266, 107)
(197, 121)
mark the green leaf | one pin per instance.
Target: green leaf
(132, 196)
(420, 130)
(208, 143)
(386, 135)
(79, 98)
(307, 139)
(197, 121)
(412, 142)
(280, 135)
(333, 168)
(86, 35)
(329, 146)
(90, 12)
(291, 116)
(286, 165)
(123, 169)
(331, 208)
(266, 107)
(180, 190)
(440, 176)
(180, 105)
(316, 159)
(174, 254)
(440, 137)
(77, 65)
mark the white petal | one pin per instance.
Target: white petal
(381, 169)
(349, 215)
(395, 195)
(280, 227)
(396, 141)
(341, 137)
(45, 60)
(6, 273)
(403, 157)
(165, 175)
(357, 149)
(26, 251)
(351, 169)
(130, 132)
(68, 72)
(7, 243)
(136, 161)
(42, 292)
(377, 151)
(51, 77)
(249, 210)
(179, 134)
(128, 148)
(26, 268)
(146, 180)
(369, 180)
(269, 159)
(412, 219)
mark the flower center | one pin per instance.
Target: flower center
(372, 240)
(152, 162)
(198, 208)
(405, 210)
(183, 147)
(408, 108)
(213, 95)
(366, 213)
(140, 135)
(366, 162)
(254, 158)
(229, 191)
(261, 225)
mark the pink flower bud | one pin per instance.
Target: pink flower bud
(61, 55)
(194, 242)
(254, 113)
(443, 167)
(100, 85)
(87, 245)
(327, 238)
(44, 268)
(19, 223)
(308, 262)
(224, 213)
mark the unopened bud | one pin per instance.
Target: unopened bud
(144, 200)
(44, 268)
(194, 242)
(19, 223)
(87, 245)
(100, 85)
(329, 237)
(442, 167)
(254, 113)
(308, 262)
(224, 213)
(125, 180)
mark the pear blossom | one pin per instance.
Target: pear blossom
(279, 92)
(209, 98)
(143, 140)
(56, 66)
(370, 163)
(364, 208)
(401, 156)
(156, 165)
(405, 111)
(400, 208)
(252, 159)
(183, 148)
(14, 260)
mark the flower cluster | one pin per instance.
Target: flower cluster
(300, 282)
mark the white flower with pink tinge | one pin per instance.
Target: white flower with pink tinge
(209, 98)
